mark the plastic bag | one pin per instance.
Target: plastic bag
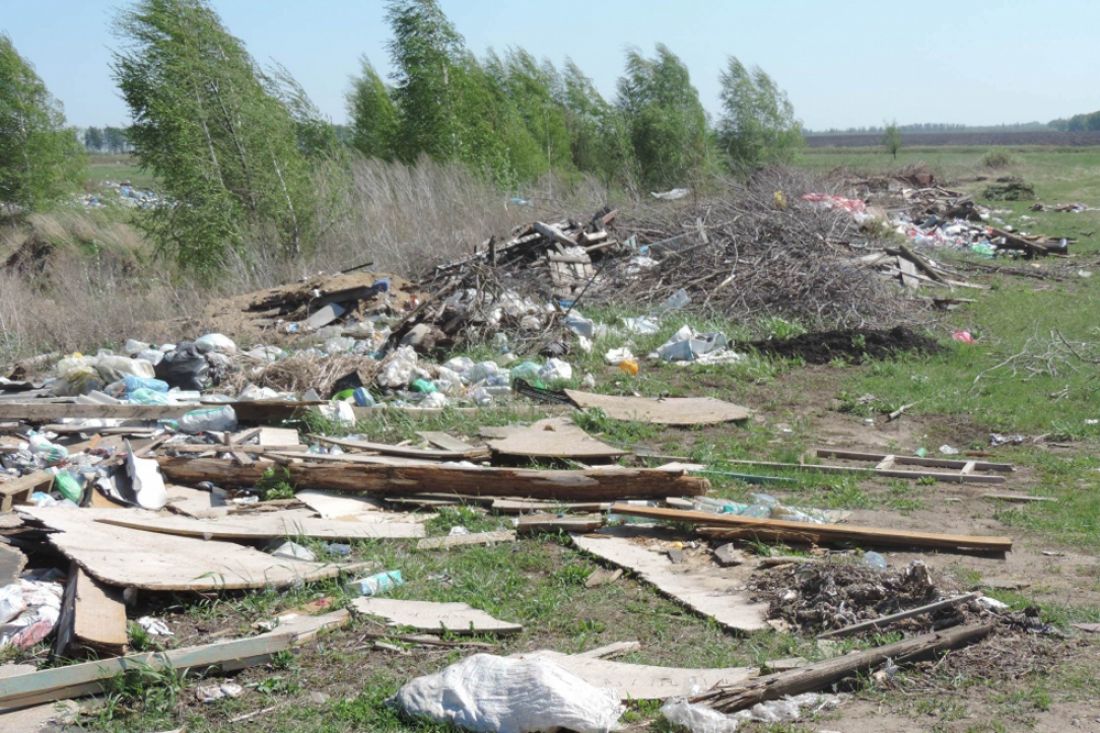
(214, 418)
(397, 371)
(216, 342)
(556, 370)
(490, 694)
(697, 718)
(185, 367)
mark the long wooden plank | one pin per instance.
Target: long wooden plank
(268, 525)
(868, 471)
(100, 615)
(668, 411)
(715, 592)
(42, 410)
(456, 618)
(125, 557)
(808, 531)
(445, 441)
(642, 681)
(76, 680)
(381, 480)
(913, 460)
(460, 540)
(330, 505)
(405, 451)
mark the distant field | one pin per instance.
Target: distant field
(117, 168)
(1037, 137)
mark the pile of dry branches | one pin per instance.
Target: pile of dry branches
(758, 249)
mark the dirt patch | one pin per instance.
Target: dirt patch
(852, 345)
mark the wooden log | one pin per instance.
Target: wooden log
(383, 480)
(878, 623)
(820, 533)
(820, 675)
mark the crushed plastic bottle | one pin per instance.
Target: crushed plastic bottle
(378, 583)
(209, 419)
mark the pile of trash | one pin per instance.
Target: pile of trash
(122, 194)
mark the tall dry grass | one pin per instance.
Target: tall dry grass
(101, 283)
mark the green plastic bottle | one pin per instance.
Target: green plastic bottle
(68, 486)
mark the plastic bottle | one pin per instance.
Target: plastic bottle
(145, 396)
(214, 418)
(377, 583)
(424, 386)
(132, 384)
(874, 560)
(363, 398)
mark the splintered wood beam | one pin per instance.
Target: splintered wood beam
(717, 524)
(821, 675)
(403, 480)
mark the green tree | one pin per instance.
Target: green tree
(891, 139)
(667, 124)
(40, 159)
(530, 89)
(225, 149)
(758, 126)
(93, 139)
(374, 119)
(115, 139)
(598, 134)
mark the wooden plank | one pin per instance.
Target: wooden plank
(193, 502)
(554, 234)
(323, 316)
(869, 471)
(455, 618)
(594, 484)
(269, 436)
(641, 681)
(520, 506)
(43, 410)
(882, 621)
(89, 678)
(445, 441)
(18, 490)
(256, 450)
(529, 524)
(168, 562)
(12, 562)
(1020, 498)
(913, 460)
(99, 620)
(460, 540)
(553, 437)
(810, 532)
(331, 505)
(709, 590)
(265, 526)
(821, 675)
(404, 451)
(668, 411)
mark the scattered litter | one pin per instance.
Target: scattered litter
(378, 583)
(294, 551)
(154, 626)
(220, 691)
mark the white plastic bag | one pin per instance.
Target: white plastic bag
(490, 694)
(697, 718)
(398, 369)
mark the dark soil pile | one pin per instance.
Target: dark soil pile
(818, 596)
(852, 345)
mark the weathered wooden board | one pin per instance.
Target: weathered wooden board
(445, 441)
(278, 436)
(642, 681)
(719, 593)
(810, 532)
(17, 490)
(553, 437)
(405, 451)
(266, 525)
(124, 557)
(12, 562)
(193, 502)
(459, 540)
(594, 484)
(667, 411)
(520, 506)
(331, 505)
(100, 619)
(456, 618)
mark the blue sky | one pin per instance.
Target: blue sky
(843, 63)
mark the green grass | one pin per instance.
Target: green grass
(117, 168)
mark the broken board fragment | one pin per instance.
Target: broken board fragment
(455, 618)
(553, 437)
(167, 562)
(709, 590)
(12, 562)
(269, 525)
(642, 681)
(333, 505)
(458, 540)
(93, 616)
(667, 411)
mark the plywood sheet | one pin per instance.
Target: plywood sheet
(331, 505)
(266, 525)
(641, 681)
(712, 591)
(667, 411)
(457, 618)
(153, 561)
(553, 437)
